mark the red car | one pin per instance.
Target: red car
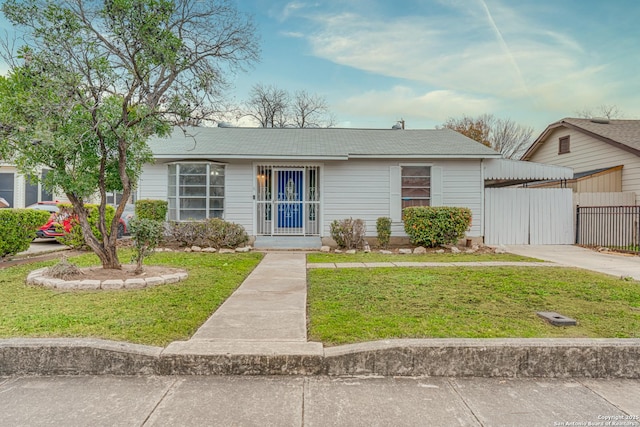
(52, 227)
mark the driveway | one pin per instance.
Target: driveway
(615, 264)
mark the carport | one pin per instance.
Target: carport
(516, 215)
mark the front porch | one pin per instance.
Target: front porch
(287, 200)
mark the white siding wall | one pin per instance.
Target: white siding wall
(238, 191)
(361, 189)
(463, 187)
(355, 188)
(154, 182)
(587, 153)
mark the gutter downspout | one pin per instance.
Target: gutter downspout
(482, 199)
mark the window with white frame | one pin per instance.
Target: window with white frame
(34, 191)
(416, 186)
(196, 191)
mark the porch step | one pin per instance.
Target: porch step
(288, 242)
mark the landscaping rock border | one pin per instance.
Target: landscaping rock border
(38, 278)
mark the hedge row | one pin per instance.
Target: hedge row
(18, 228)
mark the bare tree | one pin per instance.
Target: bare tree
(270, 106)
(310, 110)
(510, 138)
(609, 111)
(503, 135)
(267, 105)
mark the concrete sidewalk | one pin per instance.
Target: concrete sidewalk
(316, 401)
(615, 264)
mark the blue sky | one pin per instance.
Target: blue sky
(426, 60)
(377, 61)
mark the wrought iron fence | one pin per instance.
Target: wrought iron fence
(615, 227)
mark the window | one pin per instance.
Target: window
(114, 198)
(563, 145)
(32, 189)
(416, 186)
(6, 187)
(196, 191)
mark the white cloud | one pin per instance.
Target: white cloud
(290, 9)
(401, 101)
(493, 54)
(292, 34)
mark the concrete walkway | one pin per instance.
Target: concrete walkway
(266, 314)
(615, 264)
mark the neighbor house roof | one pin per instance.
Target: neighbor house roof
(316, 144)
(624, 134)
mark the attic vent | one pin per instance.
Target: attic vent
(600, 120)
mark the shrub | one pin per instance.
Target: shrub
(18, 228)
(189, 233)
(75, 238)
(223, 234)
(213, 232)
(146, 234)
(348, 233)
(433, 226)
(383, 226)
(151, 209)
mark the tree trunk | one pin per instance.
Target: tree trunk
(105, 250)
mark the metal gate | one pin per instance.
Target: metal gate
(522, 216)
(287, 200)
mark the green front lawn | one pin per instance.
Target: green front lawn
(153, 316)
(429, 257)
(354, 305)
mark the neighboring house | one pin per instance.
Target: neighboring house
(294, 182)
(604, 154)
(18, 190)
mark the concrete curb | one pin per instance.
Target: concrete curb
(63, 356)
(517, 357)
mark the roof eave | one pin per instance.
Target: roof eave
(425, 156)
(245, 157)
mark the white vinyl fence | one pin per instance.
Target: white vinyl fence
(536, 216)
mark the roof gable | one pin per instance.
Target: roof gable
(622, 134)
(322, 143)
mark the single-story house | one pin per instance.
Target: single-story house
(285, 185)
(604, 154)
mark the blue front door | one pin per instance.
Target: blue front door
(290, 194)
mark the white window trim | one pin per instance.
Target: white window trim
(395, 187)
(208, 197)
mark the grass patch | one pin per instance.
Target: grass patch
(152, 316)
(429, 257)
(354, 305)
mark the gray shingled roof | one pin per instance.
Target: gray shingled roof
(626, 132)
(261, 143)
